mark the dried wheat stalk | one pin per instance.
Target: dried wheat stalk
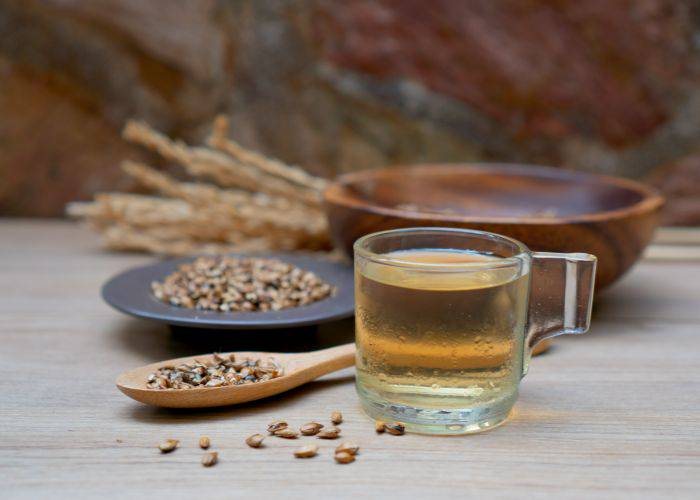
(253, 204)
(208, 163)
(255, 213)
(120, 237)
(219, 140)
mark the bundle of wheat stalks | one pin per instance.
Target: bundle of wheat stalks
(243, 201)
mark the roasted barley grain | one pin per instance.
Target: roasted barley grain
(395, 428)
(210, 458)
(311, 429)
(344, 458)
(306, 451)
(348, 447)
(276, 426)
(168, 445)
(255, 441)
(329, 433)
(286, 433)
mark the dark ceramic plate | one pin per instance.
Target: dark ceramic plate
(130, 293)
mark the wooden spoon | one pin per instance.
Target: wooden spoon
(299, 368)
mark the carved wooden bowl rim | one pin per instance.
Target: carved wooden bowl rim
(339, 194)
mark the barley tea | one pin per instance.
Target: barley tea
(440, 349)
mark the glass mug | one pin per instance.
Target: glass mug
(446, 320)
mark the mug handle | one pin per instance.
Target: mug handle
(561, 297)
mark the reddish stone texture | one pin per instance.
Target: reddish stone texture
(552, 69)
(72, 72)
(180, 34)
(680, 183)
(53, 147)
(606, 86)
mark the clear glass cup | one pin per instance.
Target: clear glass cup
(446, 320)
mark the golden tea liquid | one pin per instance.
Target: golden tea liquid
(441, 349)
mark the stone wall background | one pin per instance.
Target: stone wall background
(603, 86)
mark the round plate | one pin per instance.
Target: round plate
(130, 293)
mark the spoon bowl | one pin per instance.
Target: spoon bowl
(298, 369)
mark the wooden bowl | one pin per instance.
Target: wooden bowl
(548, 209)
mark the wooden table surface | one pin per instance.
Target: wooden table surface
(615, 413)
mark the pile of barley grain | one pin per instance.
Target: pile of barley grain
(238, 284)
(215, 372)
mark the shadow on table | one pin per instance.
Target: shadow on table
(159, 342)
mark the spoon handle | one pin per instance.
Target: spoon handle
(330, 360)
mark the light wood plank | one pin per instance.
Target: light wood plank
(677, 236)
(613, 414)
